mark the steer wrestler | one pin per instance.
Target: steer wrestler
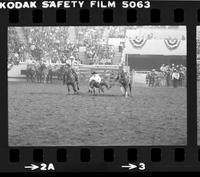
(94, 77)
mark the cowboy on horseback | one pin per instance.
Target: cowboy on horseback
(30, 70)
(68, 66)
(124, 79)
(70, 77)
(121, 74)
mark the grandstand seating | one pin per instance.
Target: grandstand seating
(83, 57)
(117, 58)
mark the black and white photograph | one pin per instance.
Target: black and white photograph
(198, 83)
(98, 85)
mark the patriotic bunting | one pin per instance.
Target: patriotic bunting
(138, 42)
(172, 44)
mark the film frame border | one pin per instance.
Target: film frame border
(187, 157)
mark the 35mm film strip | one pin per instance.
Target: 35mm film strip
(99, 86)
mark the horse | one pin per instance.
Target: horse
(70, 78)
(93, 86)
(59, 72)
(30, 72)
(125, 81)
(38, 72)
(50, 71)
(42, 73)
(50, 75)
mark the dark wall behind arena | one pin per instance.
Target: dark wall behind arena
(149, 62)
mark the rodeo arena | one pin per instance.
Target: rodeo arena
(96, 86)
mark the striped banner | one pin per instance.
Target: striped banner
(172, 44)
(138, 42)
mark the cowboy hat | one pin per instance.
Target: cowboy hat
(93, 72)
(72, 57)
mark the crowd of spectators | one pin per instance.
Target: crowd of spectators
(198, 41)
(119, 32)
(168, 75)
(172, 67)
(57, 44)
(100, 54)
(15, 48)
(53, 43)
(94, 40)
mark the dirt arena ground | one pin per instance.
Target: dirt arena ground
(44, 115)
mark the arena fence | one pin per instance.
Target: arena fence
(18, 73)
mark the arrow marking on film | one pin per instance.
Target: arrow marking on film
(32, 167)
(129, 166)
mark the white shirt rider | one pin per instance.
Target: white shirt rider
(175, 75)
(95, 77)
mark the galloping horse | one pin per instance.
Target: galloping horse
(93, 85)
(125, 81)
(71, 78)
